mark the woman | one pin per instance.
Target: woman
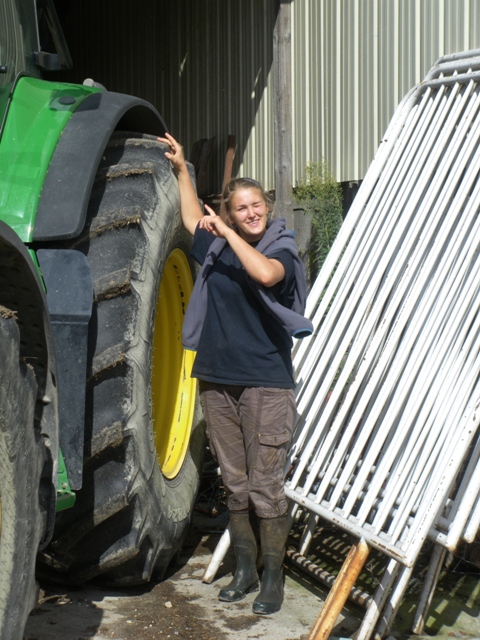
(247, 302)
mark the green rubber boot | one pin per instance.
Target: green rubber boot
(273, 535)
(245, 547)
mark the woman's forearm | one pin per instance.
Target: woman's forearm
(190, 209)
(266, 271)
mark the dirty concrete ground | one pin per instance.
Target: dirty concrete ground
(181, 607)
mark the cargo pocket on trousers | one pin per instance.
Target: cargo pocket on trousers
(272, 451)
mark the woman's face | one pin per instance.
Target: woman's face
(248, 212)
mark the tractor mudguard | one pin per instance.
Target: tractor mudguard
(66, 191)
(69, 286)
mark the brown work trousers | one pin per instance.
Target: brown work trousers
(249, 430)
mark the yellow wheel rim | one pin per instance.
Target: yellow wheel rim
(173, 390)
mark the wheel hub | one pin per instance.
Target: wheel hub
(173, 390)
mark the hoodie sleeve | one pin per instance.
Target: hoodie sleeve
(292, 320)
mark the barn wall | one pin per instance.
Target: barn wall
(207, 66)
(204, 64)
(354, 60)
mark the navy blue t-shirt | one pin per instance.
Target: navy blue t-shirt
(240, 342)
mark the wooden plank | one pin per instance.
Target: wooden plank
(227, 173)
(282, 66)
(200, 159)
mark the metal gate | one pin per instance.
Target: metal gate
(388, 386)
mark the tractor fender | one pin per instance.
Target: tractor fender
(66, 191)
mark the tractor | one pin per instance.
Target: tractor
(101, 435)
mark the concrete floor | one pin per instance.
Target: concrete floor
(182, 607)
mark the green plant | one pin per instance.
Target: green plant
(321, 198)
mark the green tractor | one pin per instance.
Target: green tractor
(101, 439)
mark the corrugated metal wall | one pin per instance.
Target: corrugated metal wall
(218, 72)
(204, 64)
(207, 67)
(354, 60)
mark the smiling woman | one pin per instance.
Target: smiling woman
(252, 287)
(247, 208)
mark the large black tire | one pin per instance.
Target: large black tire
(22, 456)
(141, 473)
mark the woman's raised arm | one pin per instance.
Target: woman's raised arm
(190, 209)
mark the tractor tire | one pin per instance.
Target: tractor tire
(22, 456)
(144, 438)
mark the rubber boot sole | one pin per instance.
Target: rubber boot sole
(236, 594)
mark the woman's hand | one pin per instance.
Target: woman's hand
(214, 224)
(175, 155)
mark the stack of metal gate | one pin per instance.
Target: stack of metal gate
(388, 394)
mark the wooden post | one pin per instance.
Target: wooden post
(282, 74)
(339, 592)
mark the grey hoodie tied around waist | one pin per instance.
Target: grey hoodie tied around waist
(275, 239)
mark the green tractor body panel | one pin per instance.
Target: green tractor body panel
(37, 115)
(65, 496)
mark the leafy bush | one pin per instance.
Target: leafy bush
(321, 198)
